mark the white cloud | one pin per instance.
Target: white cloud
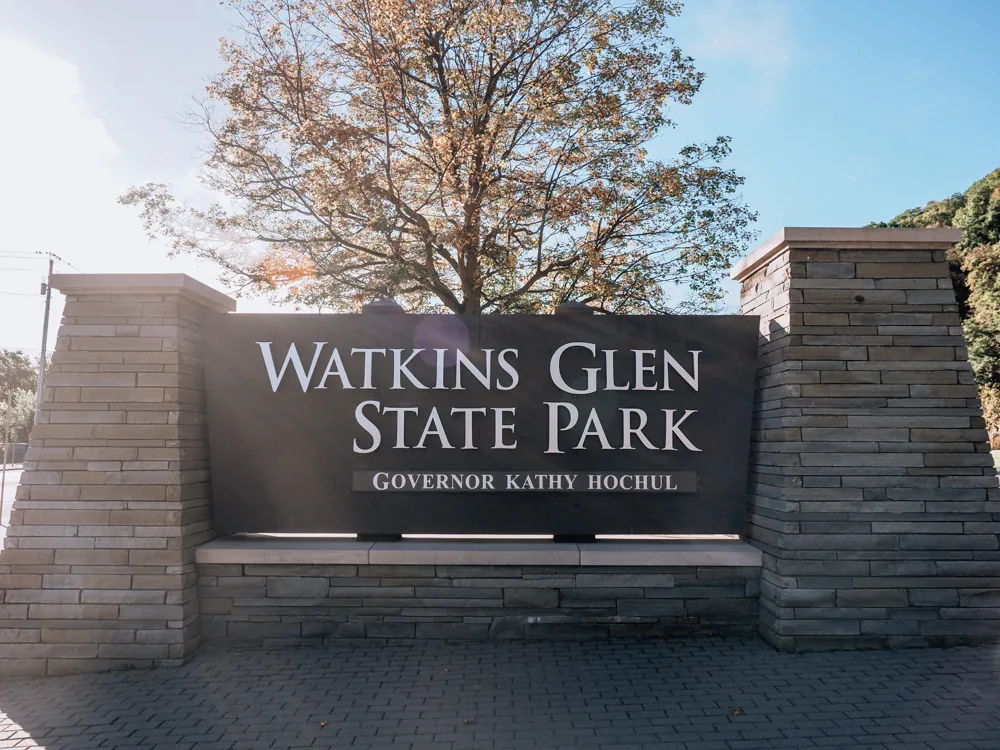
(61, 174)
(755, 33)
(59, 164)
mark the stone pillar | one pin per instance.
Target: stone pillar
(98, 564)
(872, 491)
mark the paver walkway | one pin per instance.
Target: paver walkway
(702, 694)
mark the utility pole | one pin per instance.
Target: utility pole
(6, 442)
(47, 289)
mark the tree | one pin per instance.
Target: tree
(975, 271)
(18, 376)
(16, 371)
(472, 155)
(22, 415)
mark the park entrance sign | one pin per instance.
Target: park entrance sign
(863, 490)
(398, 423)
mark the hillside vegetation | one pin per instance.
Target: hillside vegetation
(975, 272)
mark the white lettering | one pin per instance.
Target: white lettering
(670, 363)
(609, 365)
(368, 365)
(381, 481)
(628, 430)
(339, 372)
(554, 428)
(507, 368)
(400, 368)
(673, 428)
(439, 355)
(467, 417)
(641, 369)
(293, 357)
(556, 375)
(593, 427)
(368, 426)
(462, 361)
(500, 426)
(434, 421)
(401, 412)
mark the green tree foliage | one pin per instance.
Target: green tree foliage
(975, 271)
(18, 375)
(17, 370)
(22, 415)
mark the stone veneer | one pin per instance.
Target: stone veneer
(275, 605)
(98, 565)
(283, 593)
(873, 493)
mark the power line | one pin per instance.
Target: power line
(37, 255)
(66, 262)
(19, 294)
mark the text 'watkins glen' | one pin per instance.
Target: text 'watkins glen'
(576, 368)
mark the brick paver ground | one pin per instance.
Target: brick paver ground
(707, 694)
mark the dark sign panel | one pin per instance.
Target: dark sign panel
(493, 424)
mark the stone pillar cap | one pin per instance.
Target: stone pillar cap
(846, 238)
(143, 283)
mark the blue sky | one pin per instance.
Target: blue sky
(841, 112)
(848, 111)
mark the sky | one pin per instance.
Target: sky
(841, 112)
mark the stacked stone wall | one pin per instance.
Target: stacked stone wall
(268, 605)
(873, 492)
(98, 566)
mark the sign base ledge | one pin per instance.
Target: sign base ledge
(253, 550)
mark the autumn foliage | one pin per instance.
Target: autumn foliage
(472, 155)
